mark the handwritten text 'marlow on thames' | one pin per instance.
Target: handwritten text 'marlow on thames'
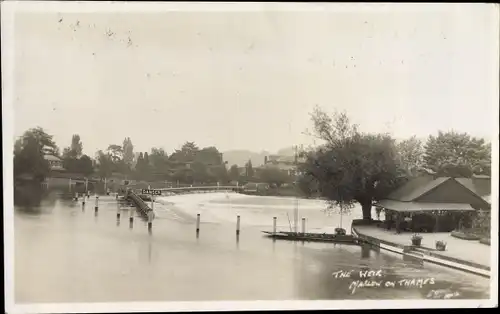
(374, 279)
(406, 283)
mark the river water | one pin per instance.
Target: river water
(66, 253)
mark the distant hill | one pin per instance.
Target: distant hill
(241, 157)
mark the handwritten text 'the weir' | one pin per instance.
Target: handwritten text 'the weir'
(374, 279)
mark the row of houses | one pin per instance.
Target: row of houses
(286, 164)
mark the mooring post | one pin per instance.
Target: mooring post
(118, 211)
(274, 225)
(150, 220)
(303, 225)
(83, 200)
(238, 225)
(131, 218)
(96, 203)
(197, 223)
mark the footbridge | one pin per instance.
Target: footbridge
(189, 189)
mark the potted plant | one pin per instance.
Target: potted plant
(416, 239)
(440, 245)
(340, 231)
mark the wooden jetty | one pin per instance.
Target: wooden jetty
(313, 237)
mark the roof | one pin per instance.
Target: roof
(415, 188)
(487, 198)
(418, 207)
(52, 158)
(479, 185)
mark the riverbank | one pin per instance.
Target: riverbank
(468, 256)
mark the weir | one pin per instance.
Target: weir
(140, 204)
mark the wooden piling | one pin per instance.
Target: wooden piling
(238, 225)
(198, 223)
(150, 220)
(274, 225)
(96, 203)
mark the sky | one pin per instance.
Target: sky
(248, 80)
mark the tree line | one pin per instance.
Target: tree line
(351, 166)
(189, 164)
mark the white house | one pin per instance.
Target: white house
(54, 162)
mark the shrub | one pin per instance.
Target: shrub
(440, 245)
(340, 231)
(416, 236)
(464, 236)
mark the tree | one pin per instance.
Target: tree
(76, 146)
(307, 184)
(128, 151)
(139, 166)
(209, 156)
(160, 164)
(29, 154)
(234, 173)
(351, 166)
(85, 165)
(43, 139)
(249, 169)
(456, 154)
(105, 164)
(200, 173)
(411, 153)
(115, 152)
(219, 173)
(274, 176)
(147, 166)
(187, 153)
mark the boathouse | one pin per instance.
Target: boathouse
(434, 204)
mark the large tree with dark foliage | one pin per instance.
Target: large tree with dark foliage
(454, 154)
(351, 166)
(29, 152)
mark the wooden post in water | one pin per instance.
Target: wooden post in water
(131, 218)
(96, 203)
(274, 225)
(197, 224)
(238, 225)
(118, 211)
(303, 225)
(150, 220)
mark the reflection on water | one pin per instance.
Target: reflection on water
(84, 257)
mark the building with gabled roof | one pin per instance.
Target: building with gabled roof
(436, 196)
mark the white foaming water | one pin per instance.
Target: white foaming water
(222, 207)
